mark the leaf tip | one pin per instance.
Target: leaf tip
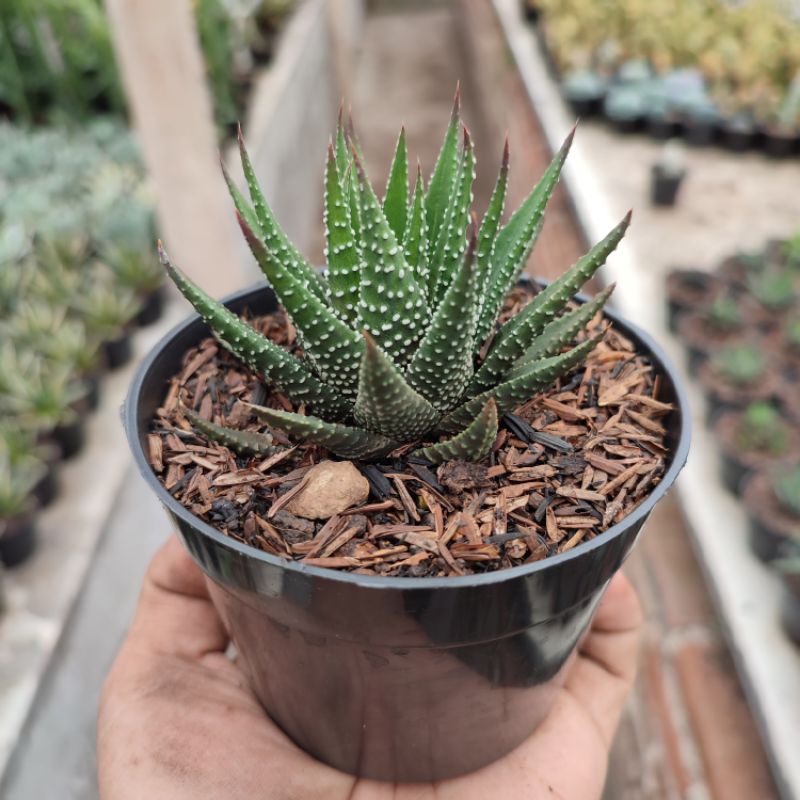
(456, 103)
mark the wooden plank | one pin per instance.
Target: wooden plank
(163, 72)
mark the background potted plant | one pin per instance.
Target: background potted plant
(667, 174)
(753, 439)
(773, 504)
(17, 506)
(416, 348)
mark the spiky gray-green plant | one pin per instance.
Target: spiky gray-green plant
(392, 334)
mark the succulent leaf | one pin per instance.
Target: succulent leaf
(342, 440)
(448, 252)
(415, 243)
(558, 333)
(472, 444)
(491, 222)
(515, 241)
(274, 237)
(385, 402)
(442, 365)
(245, 443)
(289, 375)
(509, 394)
(391, 304)
(332, 347)
(395, 203)
(519, 332)
(341, 251)
(440, 186)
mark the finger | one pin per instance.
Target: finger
(605, 669)
(175, 615)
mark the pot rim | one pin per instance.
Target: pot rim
(643, 339)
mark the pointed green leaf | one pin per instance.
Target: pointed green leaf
(245, 443)
(491, 222)
(274, 238)
(515, 241)
(520, 389)
(558, 333)
(341, 252)
(343, 159)
(442, 365)
(519, 332)
(332, 347)
(386, 403)
(342, 440)
(290, 375)
(395, 203)
(472, 444)
(448, 253)
(443, 177)
(391, 303)
(415, 244)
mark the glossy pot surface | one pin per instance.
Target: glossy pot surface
(407, 679)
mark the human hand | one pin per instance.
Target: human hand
(178, 720)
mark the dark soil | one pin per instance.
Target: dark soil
(567, 465)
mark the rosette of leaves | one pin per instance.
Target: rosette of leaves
(786, 486)
(400, 343)
(763, 430)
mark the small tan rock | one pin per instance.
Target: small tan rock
(333, 487)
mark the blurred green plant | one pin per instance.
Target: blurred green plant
(786, 486)
(763, 430)
(741, 365)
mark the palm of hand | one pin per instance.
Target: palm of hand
(178, 720)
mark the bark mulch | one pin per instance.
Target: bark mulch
(568, 464)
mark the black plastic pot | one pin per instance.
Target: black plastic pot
(736, 138)
(92, 396)
(662, 127)
(152, 309)
(70, 437)
(403, 679)
(17, 539)
(779, 145)
(698, 133)
(46, 490)
(118, 352)
(790, 607)
(664, 185)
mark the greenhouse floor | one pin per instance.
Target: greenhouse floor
(687, 722)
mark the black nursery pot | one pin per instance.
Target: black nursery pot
(17, 539)
(70, 437)
(119, 351)
(664, 186)
(152, 308)
(400, 679)
(790, 607)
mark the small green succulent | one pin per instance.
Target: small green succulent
(723, 314)
(391, 333)
(791, 331)
(17, 482)
(774, 289)
(108, 309)
(44, 394)
(741, 365)
(763, 430)
(786, 486)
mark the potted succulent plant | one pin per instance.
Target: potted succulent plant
(584, 89)
(17, 506)
(143, 275)
(736, 376)
(689, 290)
(753, 439)
(773, 503)
(20, 444)
(706, 332)
(667, 174)
(392, 530)
(109, 312)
